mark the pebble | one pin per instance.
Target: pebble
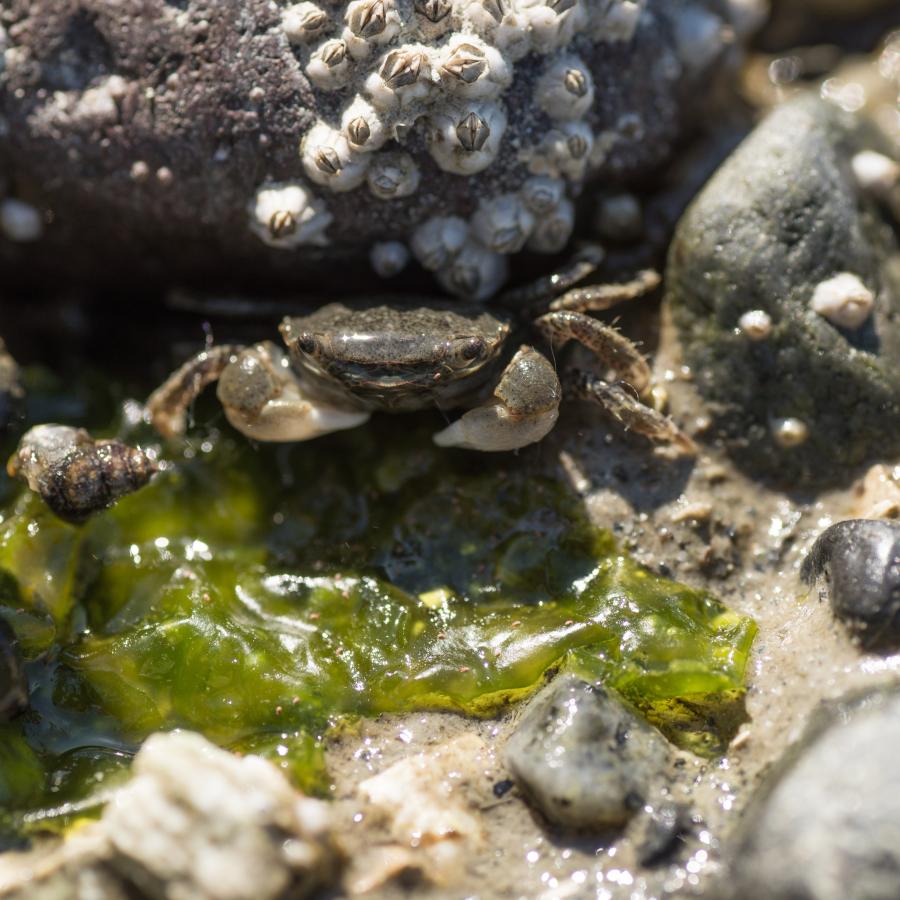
(860, 559)
(582, 758)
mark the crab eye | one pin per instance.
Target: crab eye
(472, 348)
(306, 343)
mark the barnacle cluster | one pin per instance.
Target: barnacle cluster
(445, 71)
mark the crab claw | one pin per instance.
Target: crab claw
(523, 408)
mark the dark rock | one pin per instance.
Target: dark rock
(141, 131)
(583, 758)
(860, 559)
(795, 394)
(826, 825)
(13, 684)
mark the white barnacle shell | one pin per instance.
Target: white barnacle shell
(844, 300)
(370, 24)
(329, 66)
(287, 215)
(433, 17)
(553, 23)
(393, 175)
(20, 221)
(553, 230)
(468, 67)
(616, 20)
(503, 224)
(388, 258)
(475, 273)
(305, 22)
(565, 151)
(542, 194)
(756, 324)
(499, 22)
(789, 432)
(466, 139)
(438, 241)
(565, 90)
(402, 76)
(329, 160)
(363, 126)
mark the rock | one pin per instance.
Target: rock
(197, 823)
(784, 230)
(582, 758)
(861, 560)
(13, 684)
(826, 825)
(239, 139)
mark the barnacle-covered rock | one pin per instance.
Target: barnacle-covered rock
(786, 292)
(260, 140)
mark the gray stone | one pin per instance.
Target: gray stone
(861, 561)
(826, 826)
(583, 758)
(808, 398)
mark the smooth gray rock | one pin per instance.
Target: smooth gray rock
(812, 399)
(583, 758)
(826, 826)
(861, 560)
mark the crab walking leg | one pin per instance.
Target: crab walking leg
(265, 400)
(167, 406)
(534, 296)
(598, 297)
(522, 410)
(628, 410)
(609, 345)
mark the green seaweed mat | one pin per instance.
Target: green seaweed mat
(262, 595)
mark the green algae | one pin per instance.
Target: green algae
(264, 595)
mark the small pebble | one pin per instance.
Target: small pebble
(756, 324)
(844, 300)
(860, 559)
(583, 759)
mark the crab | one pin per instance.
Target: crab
(346, 360)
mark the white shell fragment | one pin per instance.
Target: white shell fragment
(20, 221)
(844, 300)
(756, 324)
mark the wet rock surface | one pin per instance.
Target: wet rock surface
(860, 559)
(13, 684)
(826, 826)
(774, 251)
(171, 132)
(583, 759)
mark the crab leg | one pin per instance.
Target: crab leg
(598, 297)
(620, 400)
(605, 342)
(522, 410)
(167, 406)
(259, 392)
(628, 410)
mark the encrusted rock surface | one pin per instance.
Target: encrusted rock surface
(826, 826)
(584, 759)
(785, 288)
(228, 138)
